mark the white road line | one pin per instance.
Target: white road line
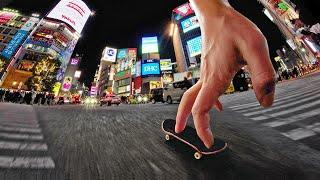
(298, 108)
(278, 102)
(282, 106)
(253, 104)
(23, 146)
(298, 134)
(21, 136)
(17, 124)
(260, 118)
(27, 162)
(294, 118)
(22, 130)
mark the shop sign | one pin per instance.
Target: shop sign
(5, 17)
(165, 65)
(123, 74)
(15, 42)
(109, 54)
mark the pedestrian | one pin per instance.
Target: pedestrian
(225, 42)
(33, 97)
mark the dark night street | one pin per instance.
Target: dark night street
(126, 142)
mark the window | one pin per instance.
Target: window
(13, 32)
(1, 47)
(6, 31)
(1, 29)
(2, 38)
(7, 39)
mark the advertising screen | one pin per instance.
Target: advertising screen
(73, 12)
(15, 42)
(165, 65)
(109, 54)
(122, 53)
(190, 24)
(150, 45)
(67, 83)
(74, 61)
(77, 74)
(183, 10)
(5, 17)
(150, 68)
(138, 69)
(194, 46)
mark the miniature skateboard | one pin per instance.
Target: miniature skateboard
(189, 137)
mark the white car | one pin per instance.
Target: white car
(174, 92)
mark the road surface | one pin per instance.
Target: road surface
(126, 142)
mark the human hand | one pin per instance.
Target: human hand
(229, 42)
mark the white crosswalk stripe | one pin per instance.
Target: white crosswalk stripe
(297, 107)
(27, 162)
(282, 106)
(21, 134)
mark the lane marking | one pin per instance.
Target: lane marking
(253, 104)
(282, 106)
(298, 134)
(23, 130)
(27, 162)
(21, 136)
(294, 118)
(23, 146)
(18, 124)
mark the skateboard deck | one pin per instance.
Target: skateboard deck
(189, 137)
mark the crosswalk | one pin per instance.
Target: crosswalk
(295, 113)
(22, 143)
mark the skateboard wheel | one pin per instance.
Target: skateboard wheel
(197, 155)
(167, 137)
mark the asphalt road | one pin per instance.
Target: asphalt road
(126, 142)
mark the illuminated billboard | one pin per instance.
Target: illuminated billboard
(150, 45)
(6, 17)
(190, 24)
(77, 74)
(73, 12)
(67, 83)
(13, 45)
(122, 53)
(150, 68)
(183, 11)
(74, 61)
(109, 54)
(194, 46)
(165, 65)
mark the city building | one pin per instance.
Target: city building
(299, 37)
(103, 78)
(14, 30)
(45, 55)
(186, 37)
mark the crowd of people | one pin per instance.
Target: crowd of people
(26, 97)
(297, 71)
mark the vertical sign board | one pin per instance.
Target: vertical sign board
(13, 45)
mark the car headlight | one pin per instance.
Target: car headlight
(145, 99)
(87, 101)
(140, 99)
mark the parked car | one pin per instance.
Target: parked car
(156, 95)
(110, 99)
(174, 92)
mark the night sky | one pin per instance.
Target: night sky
(122, 23)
